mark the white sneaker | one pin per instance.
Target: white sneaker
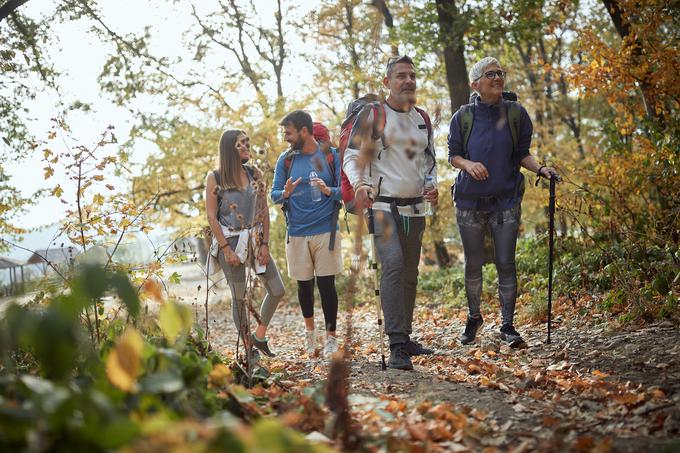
(310, 341)
(331, 345)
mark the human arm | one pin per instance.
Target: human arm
(456, 151)
(215, 227)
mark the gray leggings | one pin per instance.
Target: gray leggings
(236, 277)
(472, 225)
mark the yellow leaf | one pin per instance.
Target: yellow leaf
(124, 362)
(174, 319)
(219, 376)
(48, 172)
(98, 177)
(98, 199)
(57, 191)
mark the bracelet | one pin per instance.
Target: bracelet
(265, 243)
(226, 244)
(538, 172)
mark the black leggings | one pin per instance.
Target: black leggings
(329, 299)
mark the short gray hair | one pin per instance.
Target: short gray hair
(477, 70)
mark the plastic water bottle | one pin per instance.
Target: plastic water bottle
(428, 186)
(316, 192)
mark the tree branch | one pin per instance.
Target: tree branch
(9, 7)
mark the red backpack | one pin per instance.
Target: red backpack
(346, 128)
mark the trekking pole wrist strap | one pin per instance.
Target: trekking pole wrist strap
(538, 174)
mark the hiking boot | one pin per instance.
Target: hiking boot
(399, 357)
(471, 328)
(415, 348)
(331, 346)
(262, 345)
(310, 341)
(511, 336)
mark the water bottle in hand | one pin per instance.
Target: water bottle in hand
(428, 186)
(316, 192)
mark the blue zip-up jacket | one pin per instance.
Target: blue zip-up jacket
(307, 217)
(490, 143)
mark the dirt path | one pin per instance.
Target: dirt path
(592, 388)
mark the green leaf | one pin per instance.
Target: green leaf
(174, 319)
(165, 382)
(175, 278)
(126, 293)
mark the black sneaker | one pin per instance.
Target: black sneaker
(471, 328)
(511, 336)
(262, 345)
(399, 357)
(415, 348)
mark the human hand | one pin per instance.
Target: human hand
(321, 184)
(363, 197)
(477, 170)
(263, 254)
(432, 196)
(548, 172)
(230, 256)
(290, 186)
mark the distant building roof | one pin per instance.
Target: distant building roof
(6, 263)
(56, 255)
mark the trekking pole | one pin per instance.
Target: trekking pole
(376, 287)
(551, 242)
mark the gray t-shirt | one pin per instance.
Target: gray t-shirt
(236, 207)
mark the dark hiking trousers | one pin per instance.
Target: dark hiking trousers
(472, 225)
(399, 254)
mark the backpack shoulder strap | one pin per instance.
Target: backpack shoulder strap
(288, 159)
(380, 114)
(428, 126)
(514, 115)
(467, 117)
(218, 180)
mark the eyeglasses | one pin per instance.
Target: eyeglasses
(492, 75)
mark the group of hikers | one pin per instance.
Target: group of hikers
(385, 169)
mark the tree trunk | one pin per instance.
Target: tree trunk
(451, 30)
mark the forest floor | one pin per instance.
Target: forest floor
(598, 386)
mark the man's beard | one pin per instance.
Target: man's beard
(299, 144)
(410, 96)
(244, 160)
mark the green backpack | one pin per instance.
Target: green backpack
(467, 116)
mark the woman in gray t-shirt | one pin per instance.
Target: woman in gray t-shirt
(235, 200)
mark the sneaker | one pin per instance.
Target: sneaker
(310, 341)
(511, 336)
(399, 357)
(262, 345)
(415, 348)
(471, 328)
(331, 346)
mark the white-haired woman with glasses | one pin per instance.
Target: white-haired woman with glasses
(489, 141)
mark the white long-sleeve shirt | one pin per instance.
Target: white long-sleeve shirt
(399, 168)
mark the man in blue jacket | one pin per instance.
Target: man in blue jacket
(307, 183)
(489, 148)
